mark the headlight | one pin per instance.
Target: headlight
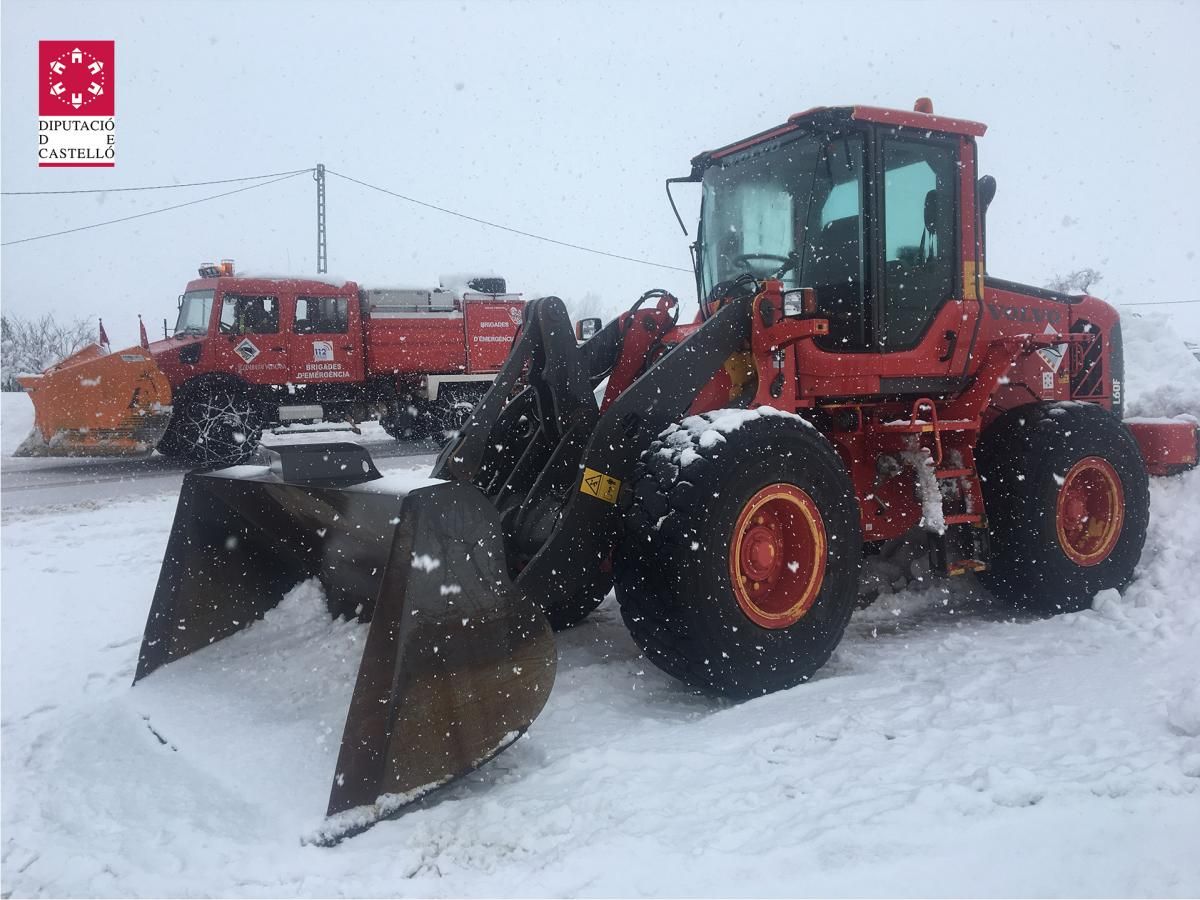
(799, 302)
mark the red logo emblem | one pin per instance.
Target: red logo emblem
(76, 78)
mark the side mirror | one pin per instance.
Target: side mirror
(986, 190)
(586, 329)
(179, 302)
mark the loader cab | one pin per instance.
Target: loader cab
(866, 207)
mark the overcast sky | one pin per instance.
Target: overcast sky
(564, 120)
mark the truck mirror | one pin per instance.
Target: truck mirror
(586, 328)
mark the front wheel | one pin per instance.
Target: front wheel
(453, 408)
(213, 426)
(739, 570)
(1068, 503)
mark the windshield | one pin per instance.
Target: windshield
(194, 310)
(758, 208)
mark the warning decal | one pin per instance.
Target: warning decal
(246, 350)
(1052, 356)
(599, 485)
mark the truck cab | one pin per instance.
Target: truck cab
(266, 332)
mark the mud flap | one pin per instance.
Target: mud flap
(457, 663)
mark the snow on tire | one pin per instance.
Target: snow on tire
(740, 568)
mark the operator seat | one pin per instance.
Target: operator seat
(836, 276)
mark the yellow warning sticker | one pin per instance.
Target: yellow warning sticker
(597, 484)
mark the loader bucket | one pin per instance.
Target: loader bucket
(95, 403)
(456, 663)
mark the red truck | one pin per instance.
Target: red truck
(250, 353)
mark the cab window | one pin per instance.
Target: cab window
(919, 220)
(322, 315)
(833, 256)
(241, 314)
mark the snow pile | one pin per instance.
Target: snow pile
(16, 420)
(1162, 377)
(266, 705)
(1183, 712)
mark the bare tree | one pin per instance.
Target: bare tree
(31, 345)
(1077, 282)
(590, 304)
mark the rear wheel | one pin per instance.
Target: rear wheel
(1068, 503)
(740, 568)
(215, 425)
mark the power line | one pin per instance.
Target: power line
(153, 187)
(151, 212)
(528, 234)
(1156, 302)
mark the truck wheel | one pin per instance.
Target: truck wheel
(408, 420)
(453, 408)
(214, 426)
(1068, 502)
(739, 569)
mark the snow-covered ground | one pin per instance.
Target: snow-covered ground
(949, 748)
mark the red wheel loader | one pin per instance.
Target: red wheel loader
(853, 374)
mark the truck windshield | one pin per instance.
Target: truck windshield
(765, 211)
(194, 311)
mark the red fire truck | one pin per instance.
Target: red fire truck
(250, 353)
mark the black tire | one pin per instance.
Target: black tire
(213, 425)
(673, 571)
(1026, 459)
(568, 613)
(452, 409)
(408, 420)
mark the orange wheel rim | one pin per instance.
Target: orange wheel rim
(1090, 511)
(777, 556)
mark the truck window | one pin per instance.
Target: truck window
(249, 315)
(322, 315)
(194, 310)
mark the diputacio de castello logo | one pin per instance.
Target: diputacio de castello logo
(76, 104)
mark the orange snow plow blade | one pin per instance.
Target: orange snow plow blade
(97, 404)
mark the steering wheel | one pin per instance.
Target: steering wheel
(785, 262)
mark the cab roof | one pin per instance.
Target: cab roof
(826, 116)
(266, 284)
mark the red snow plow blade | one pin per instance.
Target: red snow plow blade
(95, 403)
(457, 663)
(1168, 446)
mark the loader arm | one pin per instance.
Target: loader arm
(558, 485)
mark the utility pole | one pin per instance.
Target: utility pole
(322, 251)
